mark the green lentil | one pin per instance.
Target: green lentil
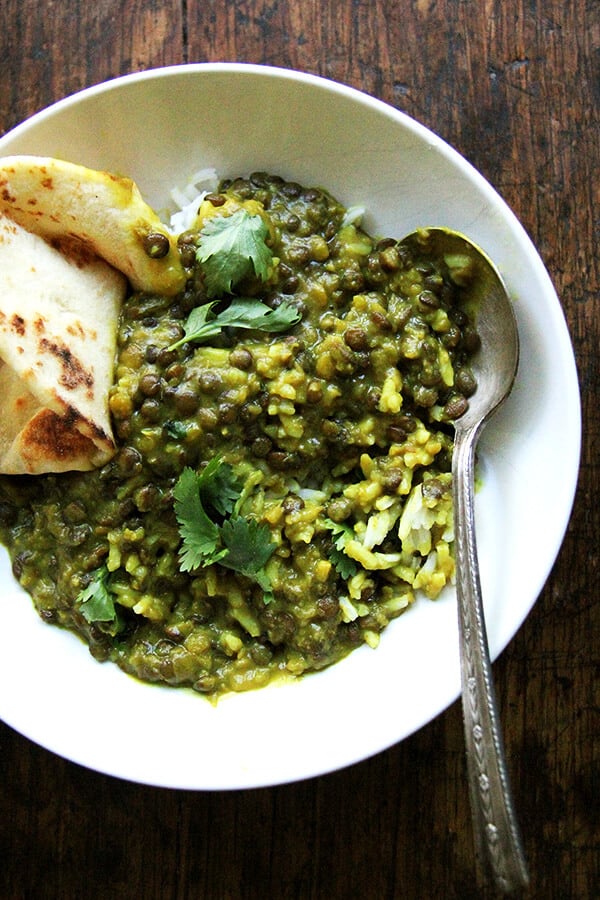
(336, 425)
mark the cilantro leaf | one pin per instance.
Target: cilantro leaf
(249, 545)
(246, 312)
(242, 312)
(231, 248)
(263, 580)
(219, 486)
(344, 565)
(199, 533)
(97, 603)
(237, 543)
(249, 548)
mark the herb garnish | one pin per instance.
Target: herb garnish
(231, 248)
(97, 605)
(242, 312)
(200, 534)
(249, 549)
(344, 565)
(212, 529)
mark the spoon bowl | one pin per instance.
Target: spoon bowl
(497, 839)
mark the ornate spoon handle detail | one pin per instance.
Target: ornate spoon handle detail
(496, 832)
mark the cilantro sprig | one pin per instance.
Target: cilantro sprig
(212, 530)
(199, 533)
(249, 548)
(232, 247)
(344, 565)
(97, 603)
(242, 312)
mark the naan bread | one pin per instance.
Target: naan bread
(59, 315)
(102, 213)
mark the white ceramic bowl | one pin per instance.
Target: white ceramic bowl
(159, 127)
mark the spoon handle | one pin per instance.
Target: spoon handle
(496, 831)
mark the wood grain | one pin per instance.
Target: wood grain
(515, 86)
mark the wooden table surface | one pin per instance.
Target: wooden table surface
(514, 85)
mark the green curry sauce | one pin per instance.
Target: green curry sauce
(332, 443)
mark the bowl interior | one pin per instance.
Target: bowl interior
(159, 127)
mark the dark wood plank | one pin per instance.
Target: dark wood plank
(51, 50)
(514, 85)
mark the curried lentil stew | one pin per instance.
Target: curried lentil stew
(282, 488)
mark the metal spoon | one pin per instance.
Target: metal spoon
(498, 844)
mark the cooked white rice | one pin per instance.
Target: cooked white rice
(187, 200)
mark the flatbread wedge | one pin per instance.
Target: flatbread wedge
(95, 211)
(58, 328)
